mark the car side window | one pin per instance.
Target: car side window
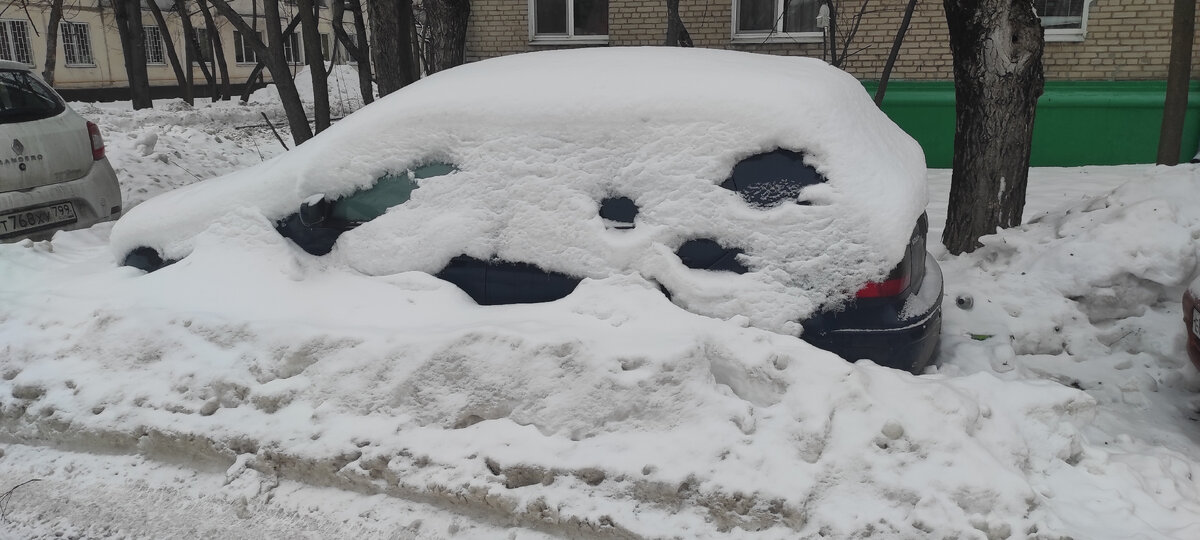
(772, 178)
(390, 190)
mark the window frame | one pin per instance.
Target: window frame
(16, 48)
(162, 52)
(86, 43)
(775, 35)
(569, 38)
(1069, 35)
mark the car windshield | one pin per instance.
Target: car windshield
(24, 98)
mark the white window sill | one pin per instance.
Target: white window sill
(1069, 36)
(778, 37)
(80, 65)
(568, 40)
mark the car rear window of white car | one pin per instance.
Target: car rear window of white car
(23, 98)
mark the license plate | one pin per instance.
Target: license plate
(37, 218)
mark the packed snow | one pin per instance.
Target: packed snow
(253, 391)
(538, 140)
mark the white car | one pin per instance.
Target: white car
(53, 173)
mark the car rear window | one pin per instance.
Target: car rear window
(24, 98)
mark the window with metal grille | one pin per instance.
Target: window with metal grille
(154, 45)
(77, 44)
(14, 42)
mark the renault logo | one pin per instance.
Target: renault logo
(18, 147)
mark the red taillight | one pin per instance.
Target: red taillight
(97, 141)
(890, 287)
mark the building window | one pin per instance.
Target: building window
(325, 46)
(154, 45)
(764, 21)
(569, 20)
(291, 49)
(77, 44)
(14, 42)
(205, 44)
(243, 53)
(1063, 20)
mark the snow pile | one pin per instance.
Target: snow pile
(175, 144)
(611, 410)
(1089, 296)
(345, 95)
(538, 140)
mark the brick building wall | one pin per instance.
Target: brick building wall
(1125, 40)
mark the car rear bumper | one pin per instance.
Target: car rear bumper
(903, 335)
(96, 197)
(1191, 328)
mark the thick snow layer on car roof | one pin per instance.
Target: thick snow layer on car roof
(539, 139)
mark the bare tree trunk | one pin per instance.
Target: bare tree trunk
(895, 52)
(358, 51)
(272, 57)
(128, 15)
(316, 62)
(169, 43)
(218, 50)
(677, 34)
(191, 50)
(1183, 29)
(997, 47)
(56, 11)
(447, 20)
(390, 44)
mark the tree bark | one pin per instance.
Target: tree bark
(316, 62)
(447, 20)
(1179, 70)
(677, 34)
(272, 57)
(358, 51)
(390, 44)
(56, 11)
(997, 48)
(168, 43)
(218, 50)
(128, 15)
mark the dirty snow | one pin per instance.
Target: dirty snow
(253, 391)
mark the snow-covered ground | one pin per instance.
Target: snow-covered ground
(257, 393)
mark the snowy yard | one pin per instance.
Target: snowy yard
(255, 393)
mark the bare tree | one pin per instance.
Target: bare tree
(997, 47)
(56, 12)
(1183, 29)
(270, 54)
(391, 44)
(359, 48)
(895, 52)
(192, 53)
(677, 34)
(168, 43)
(128, 15)
(316, 63)
(217, 48)
(447, 22)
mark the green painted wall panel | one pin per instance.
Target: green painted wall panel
(1078, 122)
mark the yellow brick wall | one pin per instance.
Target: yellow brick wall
(1126, 39)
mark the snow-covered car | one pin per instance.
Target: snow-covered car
(766, 190)
(1191, 321)
(53, 173)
